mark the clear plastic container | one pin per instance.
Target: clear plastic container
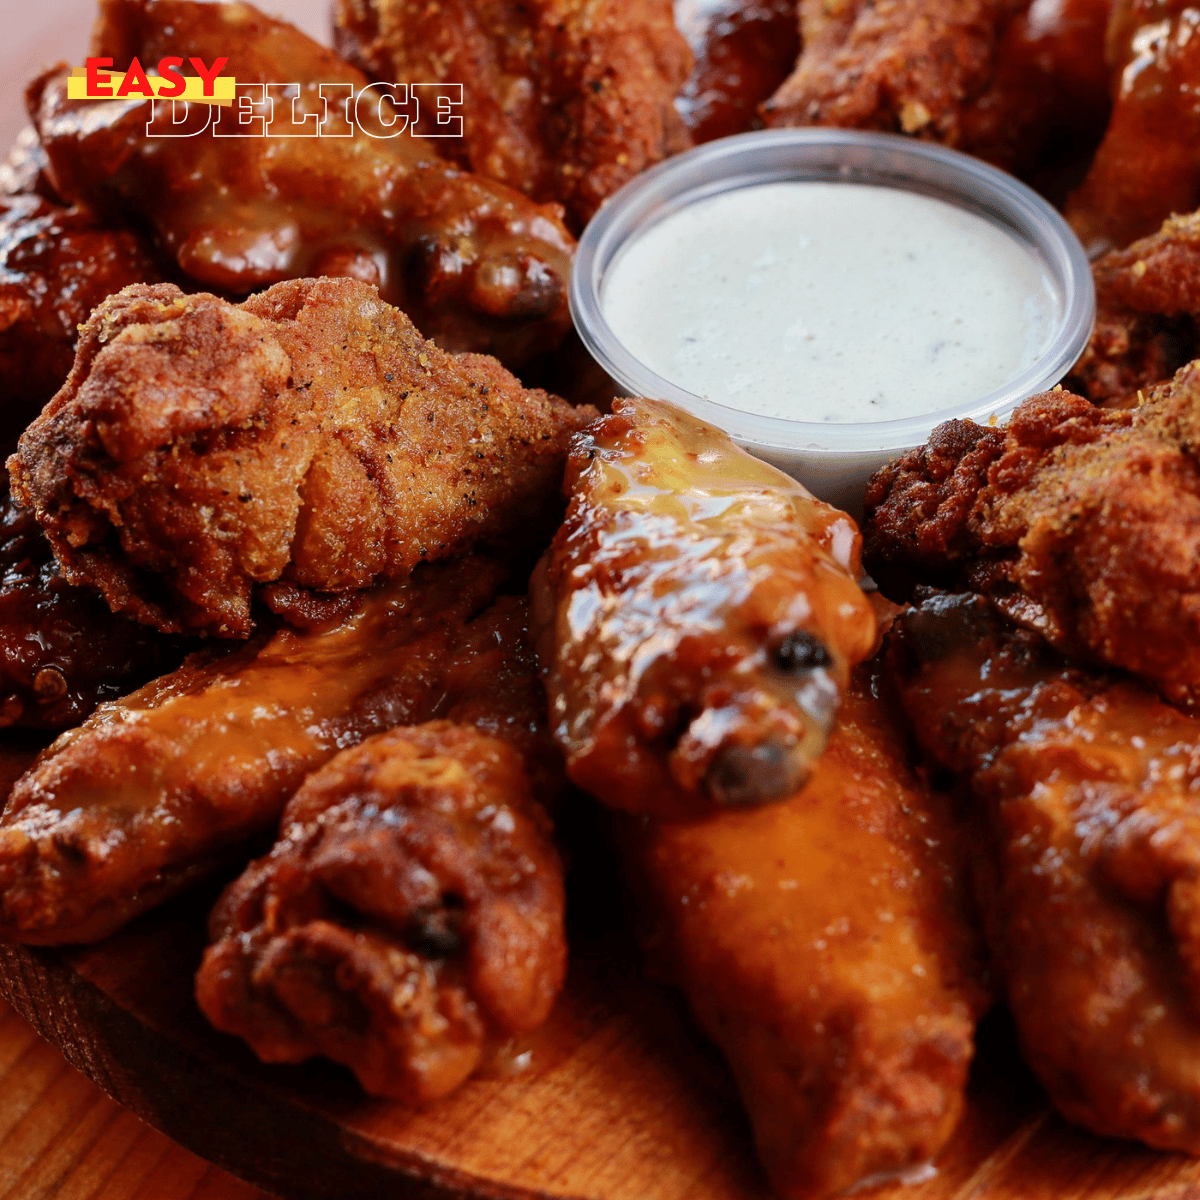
(833, 460)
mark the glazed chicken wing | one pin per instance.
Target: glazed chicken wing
(310, 433)
(56, 265)
(822, 944)
(1147, 166)
(698, 616)
(1080, 522)
(563, 100)
(156, 789)
(61, 650)
(412, 907)
(1084, 791)
(473, 263)
(744, 50)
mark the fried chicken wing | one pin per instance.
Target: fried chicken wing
(1147, 167)
(698, 615)
(822, 944)
(156, 789)
(309, 433)
(413, 905)
(61, 650)
(475, 264)
(1080, 522)
(1084, 790)
(743, 50)
(56, 265)
(562, 100)
(907, 65)
(1147, 304)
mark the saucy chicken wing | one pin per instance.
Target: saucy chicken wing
(822, 944)
(698, 615)
(310, 433)
(562, 100)
(1084, 792)
(1147, 166)
(154, 790)
(473, 263)
(56, 265)
(1080, 522)
(413, 905)
(744, 50)
(61, 650)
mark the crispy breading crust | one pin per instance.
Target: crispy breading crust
(200, 447)
(564, 100)
(1080, 522)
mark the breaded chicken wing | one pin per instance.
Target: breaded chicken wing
(310, 434)
(1080, 522)
(154, 790)
(1146, 168)
(61, 650)
(56, 265)
(563, 100)
(1147, 305)
(823, 944)
(1084, 790)
(412, 907)
(906, 66)
(698, 615)
(473, 263)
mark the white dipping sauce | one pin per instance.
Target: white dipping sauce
(836, 302)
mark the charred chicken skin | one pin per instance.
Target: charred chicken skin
(310, 434)
(823, 945)
(474, 263)
(698, 614)
(1083, 789)
(1080, 522)
(412, 908)
(154, 790)
(563, 100)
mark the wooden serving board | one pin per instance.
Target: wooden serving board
(620, 1097)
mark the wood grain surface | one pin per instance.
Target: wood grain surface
(62, 1137)
(618, 1099)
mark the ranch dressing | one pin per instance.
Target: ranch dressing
(835, 302)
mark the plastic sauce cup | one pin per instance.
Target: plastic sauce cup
(834, 460)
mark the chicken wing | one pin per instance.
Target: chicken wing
(1084, 790)
(1147, 167)
(743, 52)
(907, 66)
(61, 650)
(563, 100)
(56, 265)
(1080, 522)
(1147, 305)
(156, 789)
(201, 447)
(413, 905)
(475, 264)
(698, 615)
(822, 943)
